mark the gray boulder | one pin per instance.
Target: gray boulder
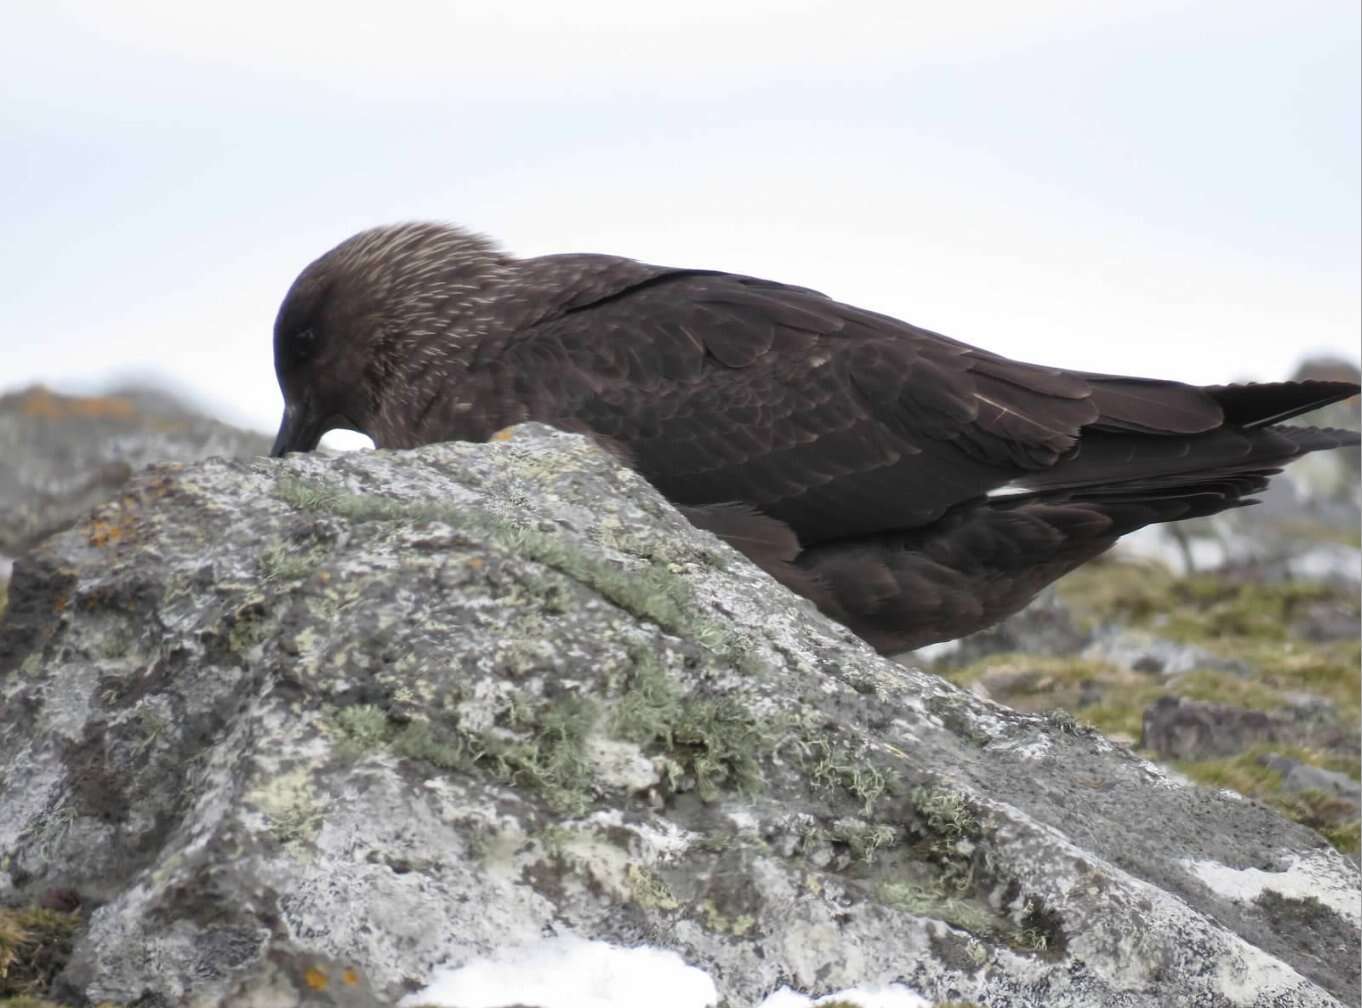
(61, 455)
(395, 710)
(1179, 728)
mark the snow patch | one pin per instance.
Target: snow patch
(893, 996)
(572, 972)
(1304, 877)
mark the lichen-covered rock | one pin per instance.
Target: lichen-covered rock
(396, 710)
(61, 455)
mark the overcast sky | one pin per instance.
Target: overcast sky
(1151, 187)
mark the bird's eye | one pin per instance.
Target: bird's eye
(303, 344)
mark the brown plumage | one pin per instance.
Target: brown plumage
(855, 457)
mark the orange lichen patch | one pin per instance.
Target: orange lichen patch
(475, 563)
(118, 521)
(105, 533)
(47, 405)
(502, 435)
(316, 978)
(350, 977)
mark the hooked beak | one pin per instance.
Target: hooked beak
(298, 431)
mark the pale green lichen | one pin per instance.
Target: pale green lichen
(647, 890)
(290, 806)
(248, 626)
(862, 838)
(715, 742)
(363, 729)
(550, 758)
(716, 921)
(946, 812)
(938, 902)
(943, 870)
(541, 747)
(655, 592)
(832, 764)
(280, 562)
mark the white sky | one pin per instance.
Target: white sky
(1152, 187)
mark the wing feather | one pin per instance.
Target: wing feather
(833, 420)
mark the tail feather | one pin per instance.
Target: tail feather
(1260, 405)
(1158, 452)
(1105, 459)
(1153, 406)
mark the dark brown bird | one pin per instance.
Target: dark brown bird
(914, 487)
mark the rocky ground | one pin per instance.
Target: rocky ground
(304, 731)
(1226, 649)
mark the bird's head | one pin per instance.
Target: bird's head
(361, 326)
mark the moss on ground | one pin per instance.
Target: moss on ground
(35, 944)
(1198, 608)
(1259, 627)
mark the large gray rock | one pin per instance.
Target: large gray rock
(61, 455)
(400, 709)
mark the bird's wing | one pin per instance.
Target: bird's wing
(835, 420)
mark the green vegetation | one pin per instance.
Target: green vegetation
(34, 946)
(1257, 624)
(1261, 657)
(1199, 608)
